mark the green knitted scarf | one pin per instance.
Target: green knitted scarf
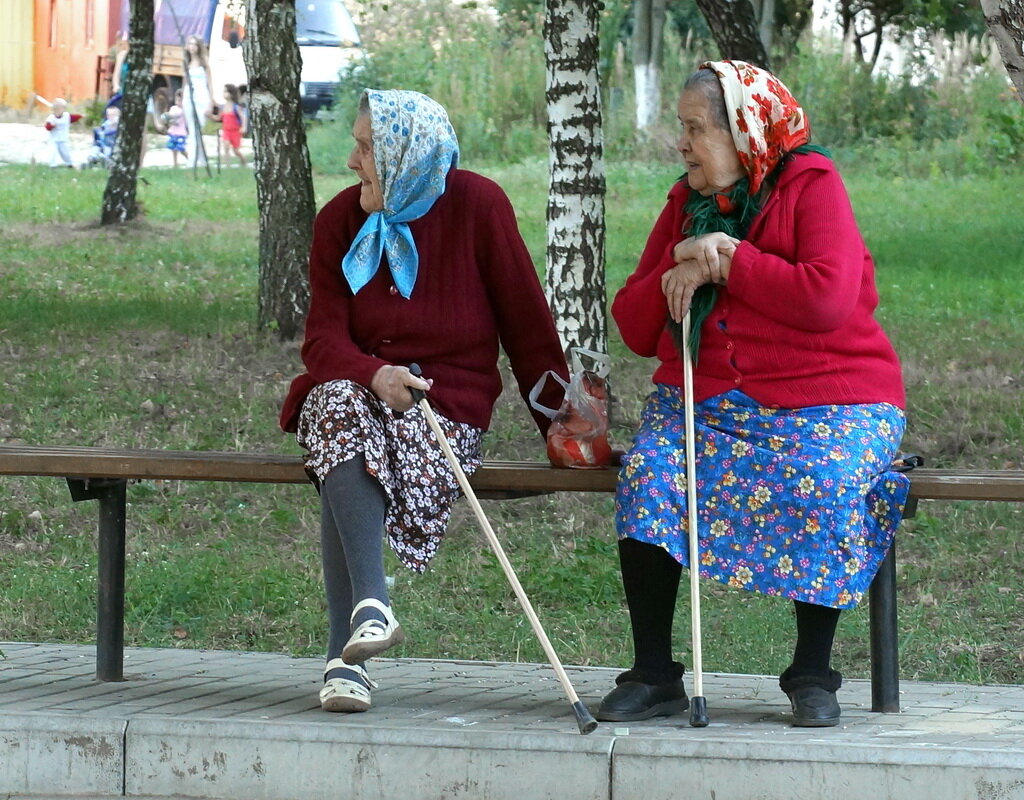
(705, 216)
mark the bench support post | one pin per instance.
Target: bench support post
(885, 667)
(111, 494)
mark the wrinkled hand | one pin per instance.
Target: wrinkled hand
(679, 284)
(712, 252)
(391, 384)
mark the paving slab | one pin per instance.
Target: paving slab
(214, 724)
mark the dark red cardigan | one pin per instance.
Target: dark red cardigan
(476, 286)
(795, 325)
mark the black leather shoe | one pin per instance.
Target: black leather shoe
(633, 700)
(813, 698)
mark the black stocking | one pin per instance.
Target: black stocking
(650, 578)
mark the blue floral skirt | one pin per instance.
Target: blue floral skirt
(796, 503)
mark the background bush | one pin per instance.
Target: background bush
(954, 115)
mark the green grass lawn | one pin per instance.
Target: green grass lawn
(144, 337)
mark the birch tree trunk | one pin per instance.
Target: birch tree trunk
(119, 196)
(576, 187)
(284, 181)
(648, 44)
(1005, 21)
(734, 27)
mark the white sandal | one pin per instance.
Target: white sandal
(373, 637)
(344, 694)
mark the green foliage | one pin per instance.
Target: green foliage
(912, 126)
(490, 78)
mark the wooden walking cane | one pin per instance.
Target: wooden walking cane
(698, 705)
(584, 719)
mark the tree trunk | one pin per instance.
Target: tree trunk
(766, 24)
(576, 229)
(119, 200)
(876, 48)
(284, 181)
(648, 45)
(734, 27)
(1005, 21)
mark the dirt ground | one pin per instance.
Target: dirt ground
(29, 143)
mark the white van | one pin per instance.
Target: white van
(328, 43)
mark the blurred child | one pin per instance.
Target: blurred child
(234, 122)
(177, 127)
(104, 136)
(59, 126)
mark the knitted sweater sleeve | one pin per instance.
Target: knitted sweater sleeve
(818, 289)
(525, 326)
(328, 351)
(640, 308)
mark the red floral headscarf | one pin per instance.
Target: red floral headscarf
(765, 119)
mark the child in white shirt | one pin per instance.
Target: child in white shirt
(59, 126)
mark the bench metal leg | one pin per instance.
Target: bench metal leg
(885, 668)
(111, 495)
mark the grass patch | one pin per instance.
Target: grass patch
(144, 337)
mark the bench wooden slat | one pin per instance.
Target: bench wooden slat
(206, 465)
(493, 478)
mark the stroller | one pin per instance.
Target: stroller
(104, 136)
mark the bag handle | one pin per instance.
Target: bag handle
(601, 364)
(538, 387)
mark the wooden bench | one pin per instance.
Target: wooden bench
(103, 474)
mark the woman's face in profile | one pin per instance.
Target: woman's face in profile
(712, 164)
(361, 162)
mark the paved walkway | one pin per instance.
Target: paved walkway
(214, 724)
(29, 143)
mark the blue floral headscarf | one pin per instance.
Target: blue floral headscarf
(414, 146)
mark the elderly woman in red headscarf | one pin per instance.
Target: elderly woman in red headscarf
(798, 392)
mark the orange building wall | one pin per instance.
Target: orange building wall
(16, 79)
(73, 41)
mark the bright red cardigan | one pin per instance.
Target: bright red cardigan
(795, 325)
(476, 286)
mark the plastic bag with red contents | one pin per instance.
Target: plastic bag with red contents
(578, 436)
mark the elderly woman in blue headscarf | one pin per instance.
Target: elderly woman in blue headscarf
(419, 262)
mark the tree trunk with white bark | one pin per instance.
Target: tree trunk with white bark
(120, 203)
(576, 188)
(284, 181)
(1005, 21)
(648, 46)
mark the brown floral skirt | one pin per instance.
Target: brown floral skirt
(342, 419)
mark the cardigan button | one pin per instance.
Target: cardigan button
(393, 290)
(737, 381)
(728, 345)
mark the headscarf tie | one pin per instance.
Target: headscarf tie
(765, 119)
(414, 147)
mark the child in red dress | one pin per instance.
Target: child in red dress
(234, 122)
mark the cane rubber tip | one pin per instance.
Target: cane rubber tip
(698, 712)
(584, 719)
